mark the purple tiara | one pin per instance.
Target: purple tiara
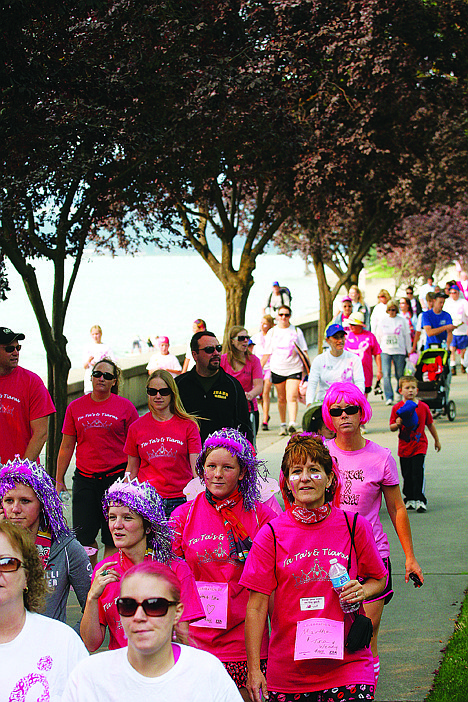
(143, 499)
(35, 477)
(238, 446)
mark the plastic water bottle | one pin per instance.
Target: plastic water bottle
(339, 576)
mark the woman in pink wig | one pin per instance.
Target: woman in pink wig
(369, 472)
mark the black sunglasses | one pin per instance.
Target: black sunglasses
(283, 314)
(212, 349)
(11, 348)
(8, 564)
(153, 606)
(164, 392)
(243, 337)
(107, 376)
(338, 411)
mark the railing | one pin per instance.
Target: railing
(134, 373)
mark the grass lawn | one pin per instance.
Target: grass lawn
(451, 681)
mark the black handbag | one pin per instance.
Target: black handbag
(360, 634)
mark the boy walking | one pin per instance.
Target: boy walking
(410, 416)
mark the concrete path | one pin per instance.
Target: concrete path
(417, 623)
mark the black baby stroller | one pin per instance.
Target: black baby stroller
(432, 372)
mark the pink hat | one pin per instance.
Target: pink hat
(163, 340)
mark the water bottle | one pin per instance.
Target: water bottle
(339, 576)
(64, 497)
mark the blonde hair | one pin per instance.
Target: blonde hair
(175, 406)
(355, 287)
(386, 293)
(96, 326)
(234, 354)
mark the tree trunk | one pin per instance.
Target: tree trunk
(58, 366)
(326, 299)
(237, 286)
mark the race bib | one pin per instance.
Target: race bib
(391, 341)
(214, 598)
(319, 638)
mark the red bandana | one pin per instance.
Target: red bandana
(239, 539)
(310, 516)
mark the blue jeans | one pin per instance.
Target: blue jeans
(399, 365)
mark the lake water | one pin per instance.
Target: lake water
(146, 296)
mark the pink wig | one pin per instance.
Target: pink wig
(158, 570)
(351, 394)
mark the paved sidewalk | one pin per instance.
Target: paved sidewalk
(417, 623)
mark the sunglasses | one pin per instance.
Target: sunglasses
(107, 376)
(8, 564)
(153, 607)
(211, 349)
(164, 392)
(243, 337)
(284, 314)
(338, 411)
(392, 309)
(11, 348)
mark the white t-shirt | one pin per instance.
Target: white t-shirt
(108, 677)
(37, 663)
(98, 352)
(378, 313)
(458, 310)
(280, 343)
(188, 355)
(393, 335)
(327, 369)
(166, 361)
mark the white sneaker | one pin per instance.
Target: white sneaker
(283, 430)
(411, 504)
(292, 428)
(389, 402)
(421, 507)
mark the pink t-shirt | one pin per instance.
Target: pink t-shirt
(364, 345)
(108, 615)
(23, 398)
(100, 429)
(250, 372)
(296, 568)
(200, 537)
(164, 449)
(364, 472)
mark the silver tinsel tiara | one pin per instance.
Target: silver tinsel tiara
(35, 477)
(143, 499)
(240, 447)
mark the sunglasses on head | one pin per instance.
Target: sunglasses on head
(212, 349)
(338, 411)
(164, 392)
(10, 348)
(153, 606)
(106, 376)
(8, 564)
(243, 337)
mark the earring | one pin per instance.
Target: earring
(148, 530)
(26, 589)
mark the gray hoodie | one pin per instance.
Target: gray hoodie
(67, 565)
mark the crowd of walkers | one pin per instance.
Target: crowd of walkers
(214, 596)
